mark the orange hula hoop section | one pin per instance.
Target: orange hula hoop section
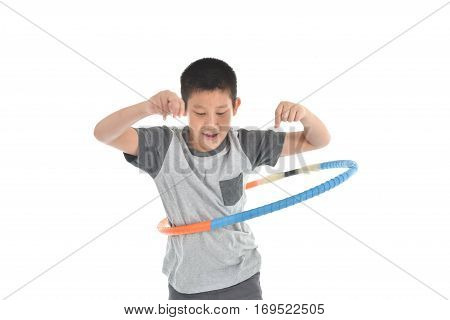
(164, 227)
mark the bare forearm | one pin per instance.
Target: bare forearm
(315, 131)
(116, 123)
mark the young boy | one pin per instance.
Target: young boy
(200, 171)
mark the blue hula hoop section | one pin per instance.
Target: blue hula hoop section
(290, 201)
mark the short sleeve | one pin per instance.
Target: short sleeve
(153, 143)
(262, 147)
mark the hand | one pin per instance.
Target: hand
(167, 102)
(288, 111)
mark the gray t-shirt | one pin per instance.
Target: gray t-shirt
(195, 186)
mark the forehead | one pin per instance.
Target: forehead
(210, 99)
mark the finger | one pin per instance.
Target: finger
(292, 114)
(285, 113)
(167, 107)
(298, 116)
(182, 109)
(178, 107)
(278, 115)
(165, 104)
(184, 113)
(157, 104)
(167, 110)
(173, 107)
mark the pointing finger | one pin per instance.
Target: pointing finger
(278, 115)
(182, 109)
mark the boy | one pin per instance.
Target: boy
(199, 171)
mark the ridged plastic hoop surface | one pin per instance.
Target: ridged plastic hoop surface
(209, 225)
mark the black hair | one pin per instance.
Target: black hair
(208, 74)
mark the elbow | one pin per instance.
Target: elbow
(98, 134)
(327, 140)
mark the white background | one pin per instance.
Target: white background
(376, 246)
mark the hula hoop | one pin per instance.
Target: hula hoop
(209, 225)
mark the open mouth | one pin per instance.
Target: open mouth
(210, 136)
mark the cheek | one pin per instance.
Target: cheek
(224, 122)
(194, 120)
(226, 118)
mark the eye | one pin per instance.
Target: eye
(200, 114)
(220, 114)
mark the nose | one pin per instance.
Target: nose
(211, 121)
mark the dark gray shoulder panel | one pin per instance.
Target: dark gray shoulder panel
(262, 147)
(153, 145)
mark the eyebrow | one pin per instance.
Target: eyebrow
(222, 106)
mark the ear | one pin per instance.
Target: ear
(236, 105)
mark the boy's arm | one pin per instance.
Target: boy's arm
(314, 136)
(144, 148)
(116, 131)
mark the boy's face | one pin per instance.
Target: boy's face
(209, 114)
